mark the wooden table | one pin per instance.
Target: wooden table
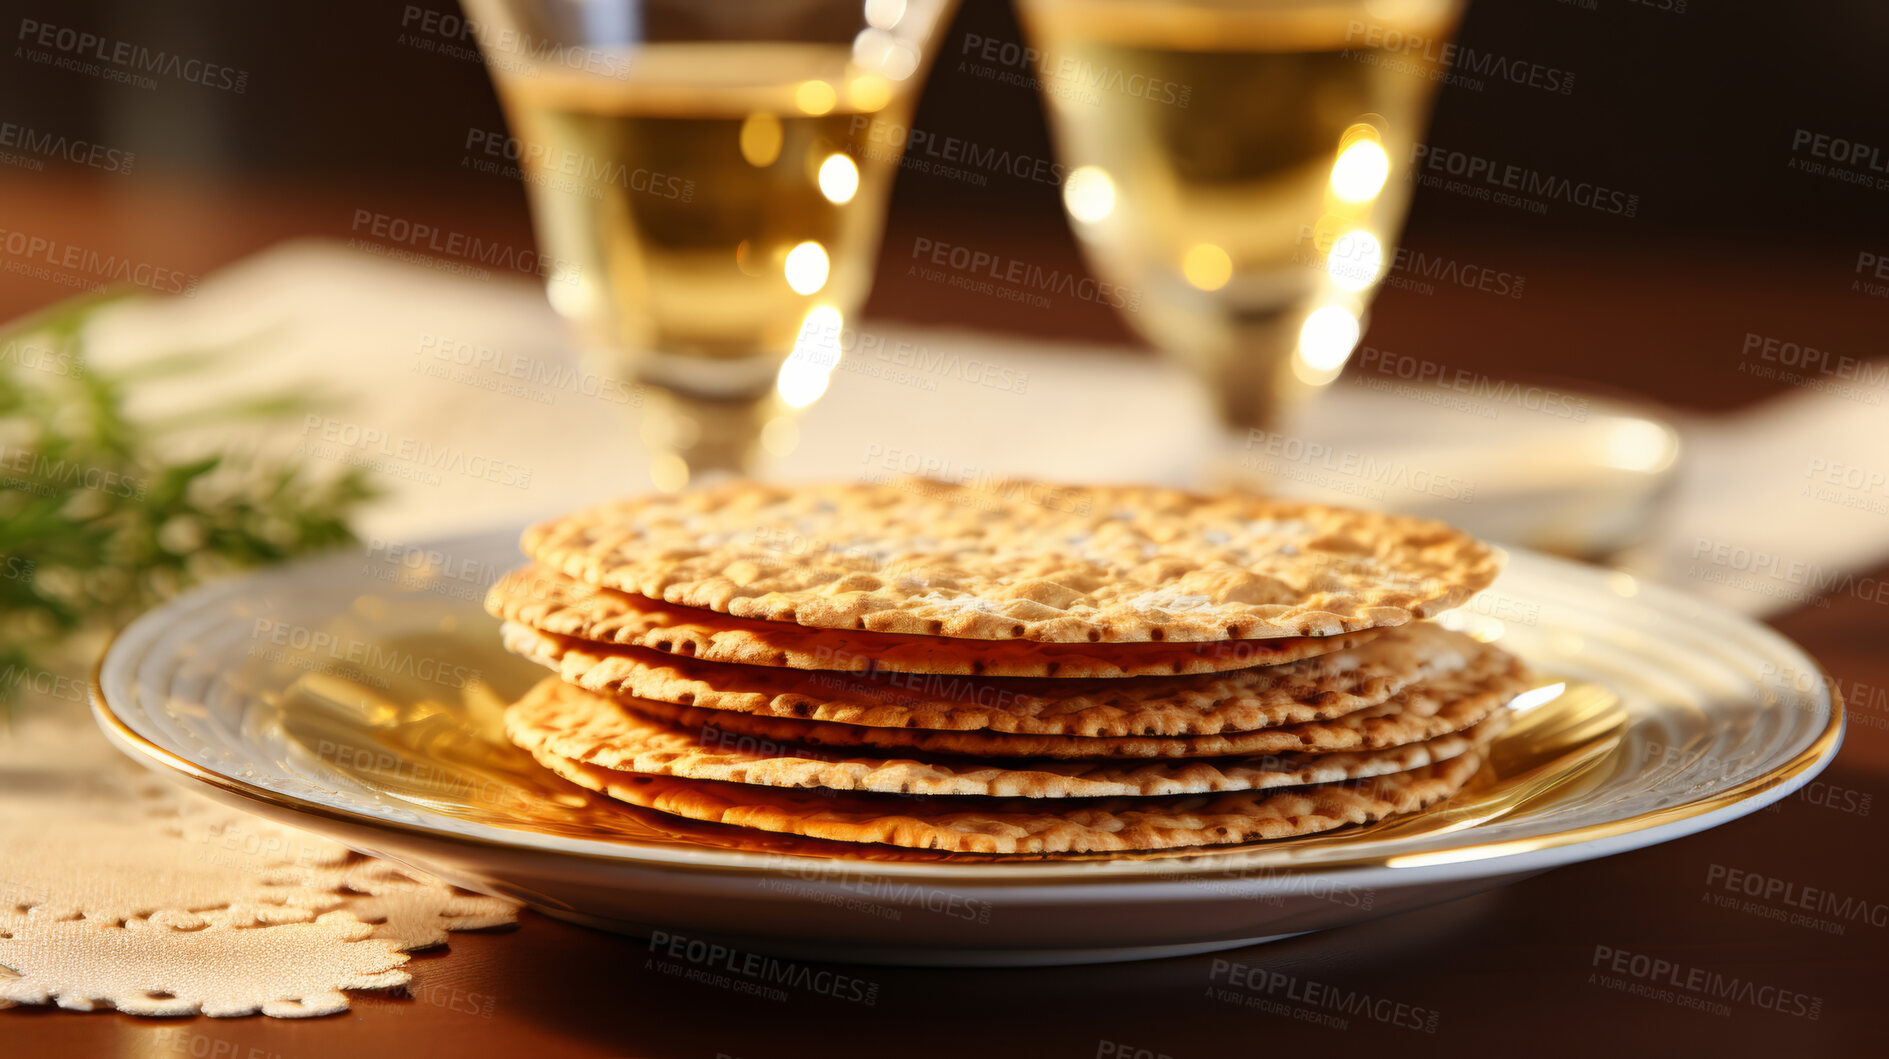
(1505, 972)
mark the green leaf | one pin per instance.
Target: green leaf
(97, 522)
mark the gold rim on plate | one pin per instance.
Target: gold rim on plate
(1809, 758)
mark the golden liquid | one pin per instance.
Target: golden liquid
(676, 195)
(1218, 127)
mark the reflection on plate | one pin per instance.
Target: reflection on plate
(363, 700)
(445, 751)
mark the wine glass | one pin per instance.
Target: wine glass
(705, 184)
(1241, 165)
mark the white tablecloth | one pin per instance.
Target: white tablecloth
(465, 399)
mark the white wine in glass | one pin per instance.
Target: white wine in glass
(1242, 165)
(700, 172)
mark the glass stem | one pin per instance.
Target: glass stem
(693, 437)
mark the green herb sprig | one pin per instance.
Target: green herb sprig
(99, 521)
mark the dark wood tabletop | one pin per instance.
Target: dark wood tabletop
(1725, 122)
(1522, 969)
(1518, 970)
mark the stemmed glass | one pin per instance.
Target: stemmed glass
(704, 180)
(1241, 164)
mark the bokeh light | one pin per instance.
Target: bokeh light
(815, 97)
(804, 375)
(1356, 260)
(1360, 171)
(1327, 338)
(839, 179)
(806, 267)
(761, 139)
(1089, 194)
(1207, 267)
(884, 14)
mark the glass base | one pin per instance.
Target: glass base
(693, 438)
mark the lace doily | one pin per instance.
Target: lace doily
(118, 890)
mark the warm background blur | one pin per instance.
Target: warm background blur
(365, 104)
(1709, 111)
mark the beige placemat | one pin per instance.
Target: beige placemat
(1771, 506)
(116, 889)
(121, 890)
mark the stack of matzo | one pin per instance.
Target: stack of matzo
(1014, 668)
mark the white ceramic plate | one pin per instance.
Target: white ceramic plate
(357, 696)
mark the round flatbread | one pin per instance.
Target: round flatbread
(1018, 560)
(1311, 689)
(1026, 826)
(554, 603)
(1425, 711)
(571, 723)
